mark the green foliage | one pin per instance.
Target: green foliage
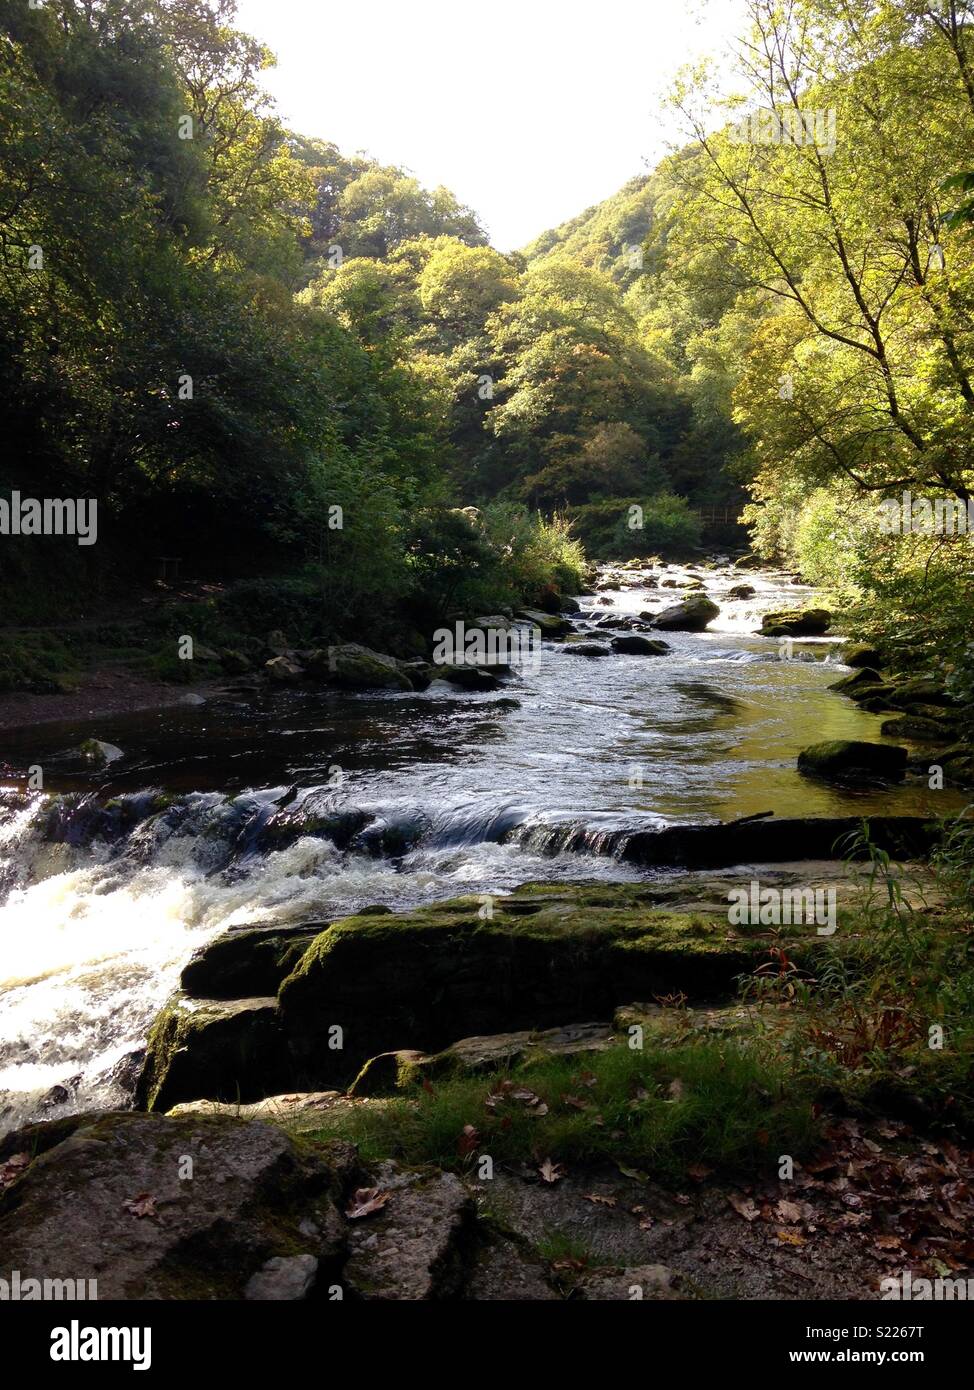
(839, 275)
(669, 527)
(36, 661)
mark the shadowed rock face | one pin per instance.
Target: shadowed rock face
(854, 761)
(154, 1207)
(378, 983)
(227, 1049)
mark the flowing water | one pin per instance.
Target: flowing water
(299, 806)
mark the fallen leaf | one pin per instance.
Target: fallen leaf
(636, 1173)
(551, 1172)
(600, 1200)
(12, 1168)
(142, 1205)
(576, 1103)
(788, 1211)
(788, 1237)
(365, 1201)
(744, 1206)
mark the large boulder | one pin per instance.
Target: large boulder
(920, 690)
(150, 1207)
(466, 677)
(850, 760)
(795, 622)
(865, 678)
(283, 670)
(585, 648)
(353, 667)
(918, 729)
(552, 625)
(634, 645)
(420, 980)
(856, 654)
(692, 615)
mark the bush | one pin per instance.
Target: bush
(668, 527)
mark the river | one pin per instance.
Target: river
(301, 805)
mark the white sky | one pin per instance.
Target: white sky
(529, 110)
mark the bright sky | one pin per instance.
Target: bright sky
(529, 110)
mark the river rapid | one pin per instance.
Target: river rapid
(301, 805)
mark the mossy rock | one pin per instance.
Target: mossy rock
(353, 667)
(241, 964)
(634, 645)
(467, 677)
(919, 691)
(214, 1049)
(253, 1198)
(851, 760)
(692, 615)
(917, 729)
(394, 1071)
(419, 980)
(581, 647)
(859, 680)
(796, 622)
(552, 625)
(858, 654)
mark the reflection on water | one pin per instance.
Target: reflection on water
(299, 806)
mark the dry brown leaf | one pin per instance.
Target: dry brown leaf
(551, 1172)
(12, 1168)
(142, 1205)
(744, 1206)
(365, 1201)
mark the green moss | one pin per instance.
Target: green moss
(423, 979)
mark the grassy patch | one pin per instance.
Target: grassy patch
(659, 1109)
(40, 662)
